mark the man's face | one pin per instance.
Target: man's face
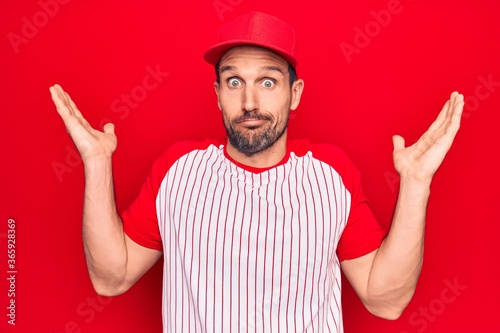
(255, 97)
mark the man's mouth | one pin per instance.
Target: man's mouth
(250, 119)
(252, 123)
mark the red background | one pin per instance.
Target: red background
(395, 83)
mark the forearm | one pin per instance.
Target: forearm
(103, 235)
(398, 262)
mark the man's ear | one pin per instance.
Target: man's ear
(297, 89)
(217, 91)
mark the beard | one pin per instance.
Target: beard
(252, 140)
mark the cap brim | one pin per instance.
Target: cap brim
(213, 55)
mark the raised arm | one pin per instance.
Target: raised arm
(114, 261)
(386, 279)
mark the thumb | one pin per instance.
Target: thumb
(399, 142)
(109, 128)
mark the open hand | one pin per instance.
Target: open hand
(91, 143)
(421, 160)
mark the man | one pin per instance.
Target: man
(254, 229)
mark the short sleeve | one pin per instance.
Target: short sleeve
(140, 219)
(362, 233)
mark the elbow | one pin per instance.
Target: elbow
(389, 308)
(108, 289)
(392, 313)
(108, 282)
(107, 292)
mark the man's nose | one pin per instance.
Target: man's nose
(250, 99)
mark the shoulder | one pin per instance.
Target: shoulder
(325, 152)
(181, 148)
(176, 151)
(330, 155)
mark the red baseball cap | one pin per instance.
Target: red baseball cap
(255, 28)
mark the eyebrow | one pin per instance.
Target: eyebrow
(263, 68)
(273, 68)
(225, 69)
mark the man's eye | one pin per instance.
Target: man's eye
(268, 83)
(234, 82)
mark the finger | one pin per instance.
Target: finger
(448, 107)
(64, 99)
(449, 111)
(456, 99)
(61, 107)
(453, 98)
(456, 117)
(441, 118)
(442, 122)
(398, 142)
(69, 102)
(455, 110)
(74, 107)
(109, 128)
(67, 109)
(56, 90)
(60, 92)
(459, 100)
(71, 105)
(446, 135)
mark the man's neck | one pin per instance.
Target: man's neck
(263, 159)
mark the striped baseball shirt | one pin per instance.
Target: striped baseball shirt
(248, 249)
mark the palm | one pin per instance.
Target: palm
(90, 143)
(421, 160)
